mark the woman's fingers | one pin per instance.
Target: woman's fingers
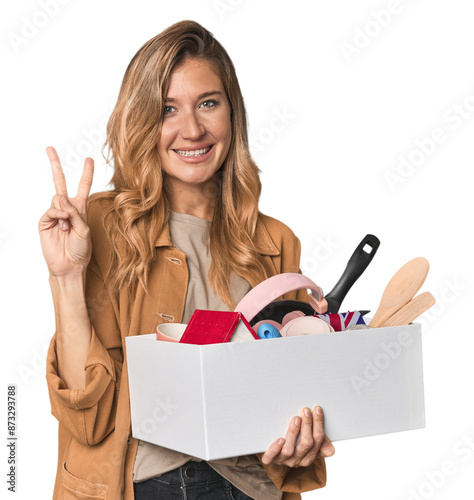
(322, 442)
(66, 216)
(58, 175)
(310, 438)
(273, 451)
(284, 451)
(318, 424)
(327, 449)
(52, 217)
(75, 218)
(305, 441)
(86, 179)
(59, 179)
(305, 451)
(65, 236)
(288, 449)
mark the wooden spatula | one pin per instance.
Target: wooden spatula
(401, 289)
(412, 310)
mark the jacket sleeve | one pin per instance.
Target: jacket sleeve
(297, 479)
(89, 415)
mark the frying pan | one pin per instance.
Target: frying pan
(355, 267)
(357, 264)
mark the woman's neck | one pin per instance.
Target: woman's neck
(193, 199)
(198, 211)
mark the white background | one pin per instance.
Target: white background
(349, 120)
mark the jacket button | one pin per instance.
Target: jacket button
(189, 472)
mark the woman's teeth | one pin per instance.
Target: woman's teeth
(196, 152)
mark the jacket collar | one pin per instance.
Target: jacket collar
(264, 243)
(164, 238)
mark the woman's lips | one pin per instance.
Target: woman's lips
(193, 152)
(194, 155)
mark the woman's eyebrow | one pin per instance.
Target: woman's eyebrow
(200, 96)
(208, 94)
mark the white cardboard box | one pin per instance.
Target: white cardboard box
(224, 400)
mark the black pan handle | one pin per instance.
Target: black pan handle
(355, 267)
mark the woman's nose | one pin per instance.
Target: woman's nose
(191, 127)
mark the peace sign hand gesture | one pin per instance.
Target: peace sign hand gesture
(64, 234)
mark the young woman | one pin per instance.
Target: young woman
(180, 230)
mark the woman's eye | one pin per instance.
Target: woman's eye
(211, 103)
(168, 109)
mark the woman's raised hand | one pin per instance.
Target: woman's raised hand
(64, 234)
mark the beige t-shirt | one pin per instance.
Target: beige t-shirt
(190, 234)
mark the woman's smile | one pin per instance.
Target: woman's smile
(194, 154)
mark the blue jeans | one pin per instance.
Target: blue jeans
(192, 481)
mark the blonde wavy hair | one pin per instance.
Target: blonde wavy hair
(140, 205)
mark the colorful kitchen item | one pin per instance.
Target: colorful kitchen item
(272, 288)
(401, 289)
(278, 309)
(360, 259)
(412, 310)
(214, 327)
(291, 315)
(170, 332)
(306, 325)
(342, 321)
(275, 324)
(266, 331)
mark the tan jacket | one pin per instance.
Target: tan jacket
(96, 451)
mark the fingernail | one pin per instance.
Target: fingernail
(307, 412)
(297, 421)
(65, 200)
(319, 411)
(281, 442)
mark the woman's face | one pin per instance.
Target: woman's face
(196, 132)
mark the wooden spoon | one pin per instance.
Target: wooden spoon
(412, 310)
(403, 286)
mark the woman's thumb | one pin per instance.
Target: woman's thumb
(74, 215)
(64, 202)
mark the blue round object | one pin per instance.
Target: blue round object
(266, 331)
